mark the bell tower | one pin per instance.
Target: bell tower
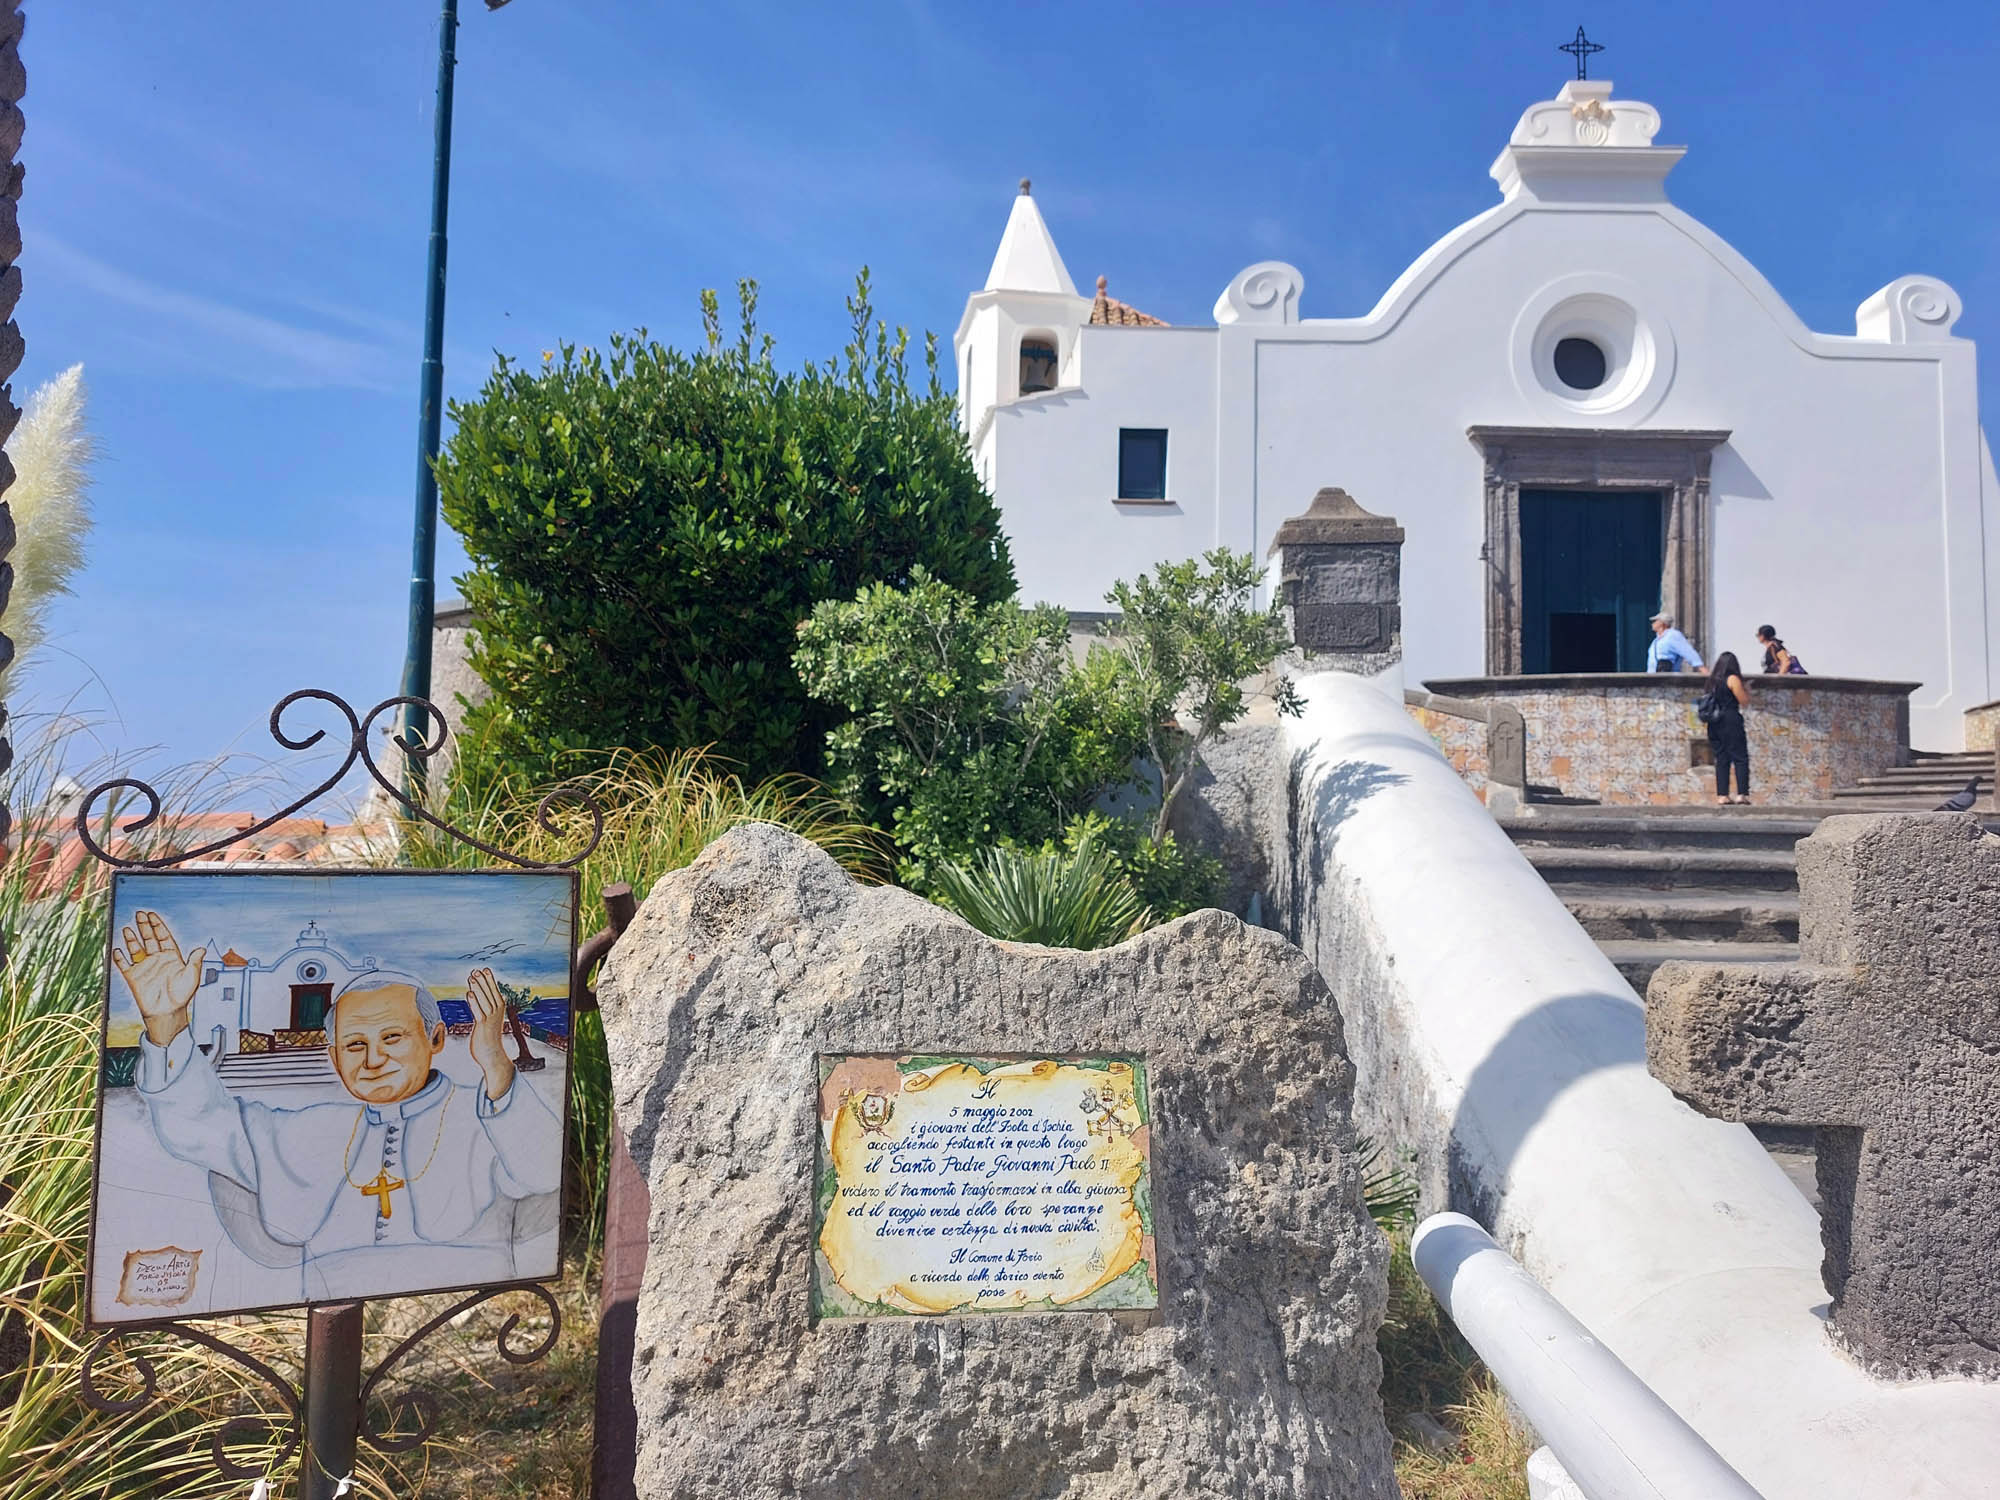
(1018, 336)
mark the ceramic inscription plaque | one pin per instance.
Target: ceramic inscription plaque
(952, 1184)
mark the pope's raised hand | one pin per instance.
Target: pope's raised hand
(162, 982)
(489, 1031)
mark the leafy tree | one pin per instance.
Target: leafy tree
(647, 527)
(1187, 638)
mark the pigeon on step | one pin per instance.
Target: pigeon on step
(1961, 801)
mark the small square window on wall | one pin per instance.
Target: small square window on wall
(1142, 463)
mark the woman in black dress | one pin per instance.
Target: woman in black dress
(1729, 696)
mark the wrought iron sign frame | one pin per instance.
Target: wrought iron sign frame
(327, 1430)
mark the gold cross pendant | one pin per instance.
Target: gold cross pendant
(379, 1190)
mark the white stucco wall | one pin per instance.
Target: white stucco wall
(1849, 505)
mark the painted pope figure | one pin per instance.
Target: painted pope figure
(416, 1183)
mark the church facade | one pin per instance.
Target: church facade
(1583, 406)
(282, 1003)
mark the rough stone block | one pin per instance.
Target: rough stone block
(1886, 1039)
(1341, 627)
(1358, 574)
(1256, 1374)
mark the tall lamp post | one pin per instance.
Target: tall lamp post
(430, 419)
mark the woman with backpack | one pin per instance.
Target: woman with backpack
(1776, 658)
(1721, 709)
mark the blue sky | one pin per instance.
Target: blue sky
(436, 926)
(226, 207)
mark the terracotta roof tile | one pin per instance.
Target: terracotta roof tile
(1108, 309)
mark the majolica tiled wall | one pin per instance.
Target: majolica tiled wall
(1636, 741)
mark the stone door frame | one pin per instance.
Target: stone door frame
(1671, 462)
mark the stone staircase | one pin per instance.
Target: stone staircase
(1653, 884)
(1930, 777)
(288, 1065)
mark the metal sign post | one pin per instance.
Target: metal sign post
(329, 1418)
(333, 1396)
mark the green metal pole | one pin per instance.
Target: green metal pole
(430, 419)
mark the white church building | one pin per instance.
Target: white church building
(1582, 406)
(282, 1003)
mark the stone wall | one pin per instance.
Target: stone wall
(1632, 739)
(1982, 727)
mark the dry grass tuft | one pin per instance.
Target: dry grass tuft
(1428, 1368)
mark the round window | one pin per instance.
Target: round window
(1579, 364)
(310, 971)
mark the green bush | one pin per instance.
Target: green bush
(647, 527)
(1170, 878)
(972, 724)
(968, 724)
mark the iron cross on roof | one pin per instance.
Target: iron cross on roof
(1581, 48)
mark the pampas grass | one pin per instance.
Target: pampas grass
(52, 453)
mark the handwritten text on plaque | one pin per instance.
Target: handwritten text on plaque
(979, 1184)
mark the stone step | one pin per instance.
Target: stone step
(1916, 781)
(1796, 1151)
(1683, 915)
(1666, 869)
(1637, 960)
(246, 1070)
(1920, 799)
(1712, 828)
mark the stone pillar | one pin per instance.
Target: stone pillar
(1885, 1039)
(1340, 573)
(13, 84)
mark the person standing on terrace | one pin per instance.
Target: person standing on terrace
(1671, 651)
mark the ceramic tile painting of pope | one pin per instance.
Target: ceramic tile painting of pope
(322, 1087)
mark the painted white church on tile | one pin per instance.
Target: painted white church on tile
(1581, 405)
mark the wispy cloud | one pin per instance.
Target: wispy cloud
(231, 341)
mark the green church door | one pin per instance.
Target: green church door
(310, 1003)
(1590, 579)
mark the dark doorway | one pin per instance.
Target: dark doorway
(310, 1003)
(1583, 643)
(1590, 578)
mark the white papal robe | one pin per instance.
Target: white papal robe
(464, 1162)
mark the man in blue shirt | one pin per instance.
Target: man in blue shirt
(1670, 651)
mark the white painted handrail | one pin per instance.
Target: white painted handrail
(1615, 1437)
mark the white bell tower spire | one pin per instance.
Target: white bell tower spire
(1018, 339)
(1027, 260)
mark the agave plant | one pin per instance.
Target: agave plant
(1059, 898)
(1387, 1187)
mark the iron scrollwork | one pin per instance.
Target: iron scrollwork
(123, 855)
(419, 1401)
(360, 729)
(228, 1431)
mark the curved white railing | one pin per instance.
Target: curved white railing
(1616, 1439)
